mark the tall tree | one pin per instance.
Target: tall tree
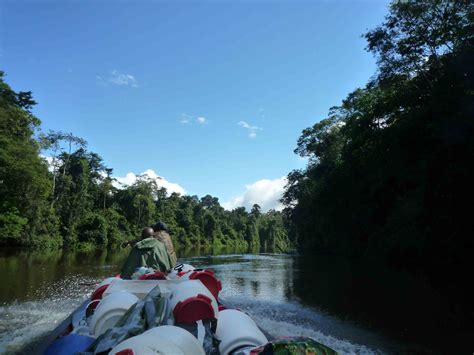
(385, 172)
(24, 180)
(59, 143)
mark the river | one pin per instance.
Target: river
(352, 308)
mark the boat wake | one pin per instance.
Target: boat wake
(23, 322)
(282, 320)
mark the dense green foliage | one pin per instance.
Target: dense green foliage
(390, 170)
(25, 216)
(76, 204)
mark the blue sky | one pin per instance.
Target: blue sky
(210, 95)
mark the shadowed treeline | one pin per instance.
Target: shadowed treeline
(390, 171)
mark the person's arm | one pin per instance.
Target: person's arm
(130, 242)
(132, 262)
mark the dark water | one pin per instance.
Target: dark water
(350, 307)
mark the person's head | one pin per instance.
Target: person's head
(160, 226)
(147, 232)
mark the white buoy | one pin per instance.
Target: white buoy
(110, 310)
(235, 330)
(192, 301)
(179, 270)
(163, 340)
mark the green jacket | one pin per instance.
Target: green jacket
(149, 253)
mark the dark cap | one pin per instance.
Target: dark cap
(160, 226)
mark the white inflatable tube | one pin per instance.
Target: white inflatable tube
(179, 269)
(192, 300)
(235, 330)
(110, 310)
(163, 340)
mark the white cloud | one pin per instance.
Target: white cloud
(252, 130)
(122, 79)
(201, 120)
(49, 161)
(117, 78)
(266, 193)
(185, 119)
(130, 179)
(188, 119)
(246, 125)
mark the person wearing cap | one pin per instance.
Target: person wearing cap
(149, 252)
(162, 234)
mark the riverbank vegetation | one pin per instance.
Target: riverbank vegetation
(390, 170)
(70, 198)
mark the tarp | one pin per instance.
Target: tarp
(150, 312)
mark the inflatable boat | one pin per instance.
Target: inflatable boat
(177, 312)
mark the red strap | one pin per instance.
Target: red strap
(157, 275)
(99, 292)
(125, 352)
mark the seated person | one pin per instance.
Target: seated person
(162, 234)
(149, 252)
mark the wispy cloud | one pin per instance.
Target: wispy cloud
(252, 130)
(201, 120)
(188, 119)
(117, 78)
(185, 119)
(248, 125)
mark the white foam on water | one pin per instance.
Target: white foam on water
(293, 319)
(284, 329)
(22, 323)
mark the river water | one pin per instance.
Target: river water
(335, 302)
